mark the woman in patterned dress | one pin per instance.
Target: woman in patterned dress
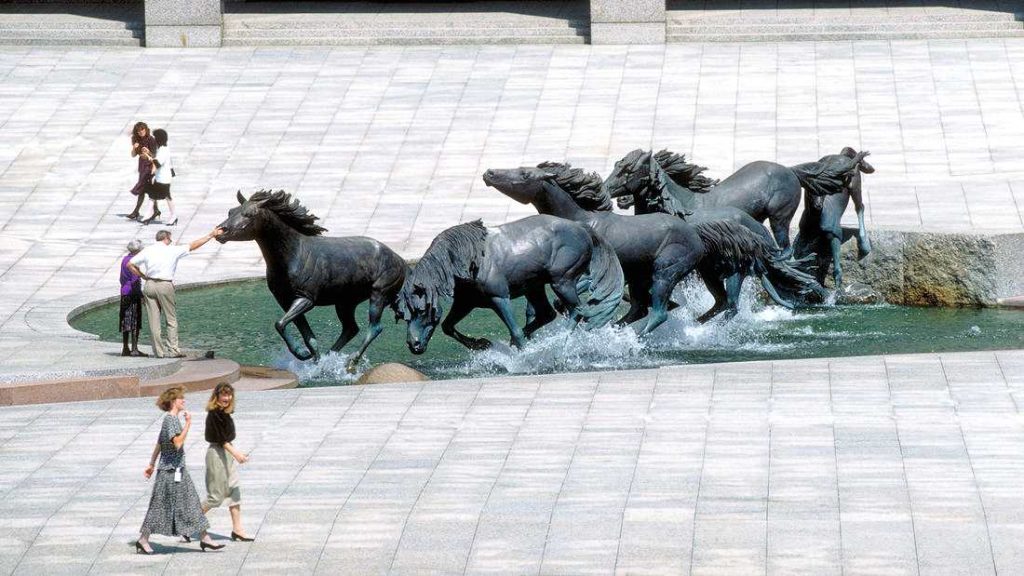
(174, 508)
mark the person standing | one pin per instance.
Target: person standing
(143, 143)
(174, 508)
(130, 316)
(160, 188)
(157, 264)
(221, 458)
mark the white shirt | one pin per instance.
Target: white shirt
(160, 261)
(163, 158)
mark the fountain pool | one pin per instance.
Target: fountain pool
(236, 320)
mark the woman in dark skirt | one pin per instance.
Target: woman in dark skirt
(160, 188)
(143, 144)
(130, 317)
(174, 508)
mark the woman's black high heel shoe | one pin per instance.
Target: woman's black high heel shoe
(239, 538)
(151, 218)
(203, 546)
(140, 549)
(175, 222)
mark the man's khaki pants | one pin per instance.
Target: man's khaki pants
(159, 297)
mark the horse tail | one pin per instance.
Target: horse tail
(787, 283)
(604, 282)
(740, 250)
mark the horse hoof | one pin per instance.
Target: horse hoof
(480, 344)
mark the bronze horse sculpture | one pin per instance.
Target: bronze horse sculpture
(820, 231)
(478, 267)
(306, 269)
(640, 181)
(656, 250)
(764, 190)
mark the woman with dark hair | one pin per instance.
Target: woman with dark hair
(222, 458)
(160, 189)
(130, 316)
(143, 144)
(174, 508)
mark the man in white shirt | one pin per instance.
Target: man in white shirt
(156, 264)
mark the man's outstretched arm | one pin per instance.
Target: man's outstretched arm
(198, 242)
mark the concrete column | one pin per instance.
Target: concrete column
(627, 21)
(184, 23)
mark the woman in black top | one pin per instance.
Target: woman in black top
(221, 457)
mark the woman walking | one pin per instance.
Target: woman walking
(130, 316)
(174, 508)
(160, 189)
(143, 144)
(221, 458)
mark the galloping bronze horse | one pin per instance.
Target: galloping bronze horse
(305, 269)
(765, 190)
(656, 250)
(639, 180)
(820, 231)
(479, 267)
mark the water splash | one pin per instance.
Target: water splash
(330, 369)
(560, 347)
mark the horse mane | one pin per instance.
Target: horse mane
(587, 190)
(684, 173)
(730, 242)
(289, 210)
(454, 254)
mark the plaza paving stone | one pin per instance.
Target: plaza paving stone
(820, 466)
(896, 464)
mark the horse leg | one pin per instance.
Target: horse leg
(863, 242)
(660, 292)
(349, 327)
(639, 302)
(671, 267)
(537, 299)
(374, 329)
(295, 313)
(503, 307)
(733, 287)
(461, 309)
(780, 231)
(717, 289)
(837, 257)
(565, 289)
(307, 336)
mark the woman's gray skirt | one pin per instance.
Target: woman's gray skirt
(174, 508)
(221, 478)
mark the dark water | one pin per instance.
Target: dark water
(237, 321)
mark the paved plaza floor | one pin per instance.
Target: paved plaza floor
(896, 465)
(863, 466)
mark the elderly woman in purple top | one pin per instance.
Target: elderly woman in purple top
(130, 318)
